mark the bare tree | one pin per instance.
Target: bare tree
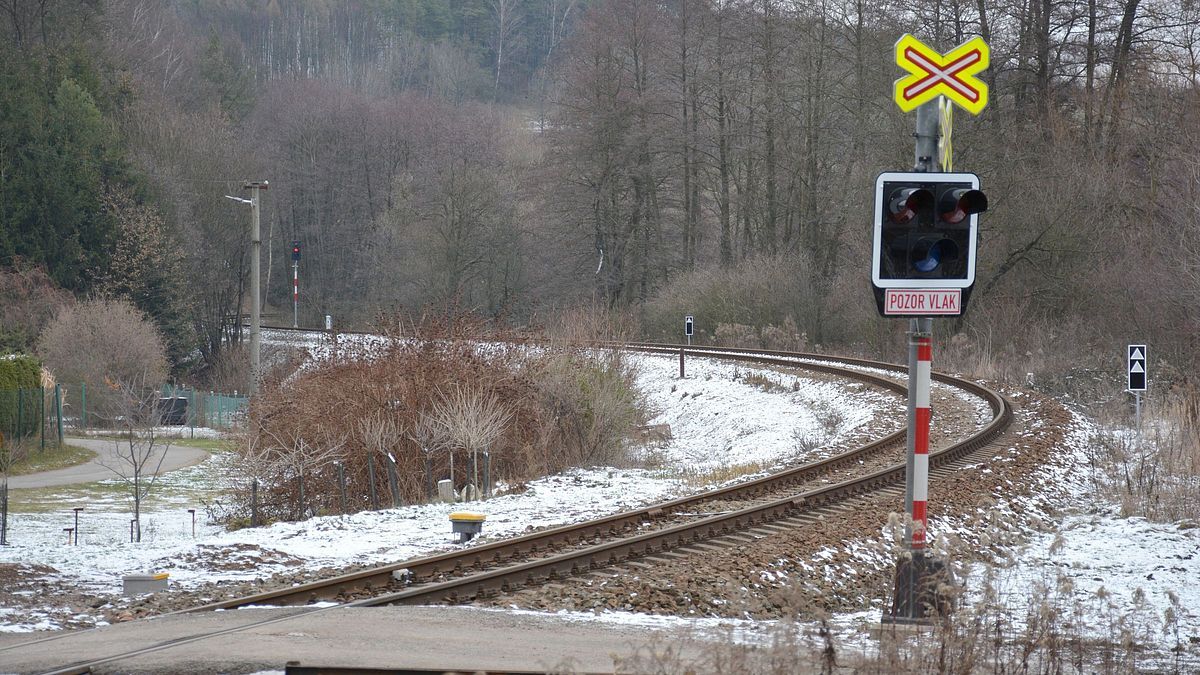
(294, 458)
(132, 410)
(431, 437)
(380, 434)
(472, 420)
(12, 451)
(508, 20)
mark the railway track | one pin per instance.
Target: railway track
(556, 553)
(790, 498)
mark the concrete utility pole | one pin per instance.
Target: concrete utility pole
(255, 275)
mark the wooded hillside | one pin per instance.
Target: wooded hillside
(515, 158)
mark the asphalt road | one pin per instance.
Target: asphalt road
(177, 457)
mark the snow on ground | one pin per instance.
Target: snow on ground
(1118, 573)
(105, 553)
(167, 432)
(719, 419)
(716, 421)
(746, 429)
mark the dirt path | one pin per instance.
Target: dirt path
(177, 457)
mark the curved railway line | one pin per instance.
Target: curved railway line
(789, 498)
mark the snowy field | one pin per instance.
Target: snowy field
(717, 421)
(1108, 564)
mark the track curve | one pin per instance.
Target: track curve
(511, 564)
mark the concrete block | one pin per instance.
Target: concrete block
(137, 584)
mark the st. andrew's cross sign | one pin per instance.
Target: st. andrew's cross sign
(931, 74)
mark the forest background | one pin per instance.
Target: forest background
(515, 159)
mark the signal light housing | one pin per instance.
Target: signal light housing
(295, 251)
(958, 203)
(926, 227)
(907, 203)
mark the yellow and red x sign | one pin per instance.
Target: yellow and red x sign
(932, 74)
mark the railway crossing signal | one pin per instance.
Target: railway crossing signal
(923, 265)
(926, 227)
(1137, 368)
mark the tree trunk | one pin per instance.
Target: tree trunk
(4, 511)
(137, 502)
(770, 82)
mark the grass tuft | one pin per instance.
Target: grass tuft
(52, 458)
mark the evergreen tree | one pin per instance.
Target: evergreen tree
(57, 154)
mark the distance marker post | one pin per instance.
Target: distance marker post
(1137, 380)
(688, 323)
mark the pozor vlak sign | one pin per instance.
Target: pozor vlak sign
(926, 229)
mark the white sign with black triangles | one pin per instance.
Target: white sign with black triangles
(687, 325)
(1137, 367)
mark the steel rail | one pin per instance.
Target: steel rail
(429, 569)
(637, 545)
(572, 563)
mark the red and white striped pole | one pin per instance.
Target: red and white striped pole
(920, 494)
(295, 293)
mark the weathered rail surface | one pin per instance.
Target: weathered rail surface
(513, 563)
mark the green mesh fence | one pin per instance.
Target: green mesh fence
(31, 417)
(22, 412)
(82, 407)
(192, 407)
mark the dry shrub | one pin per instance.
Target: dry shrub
(230, 370)
(1155, 473)
(786, 337)
(1012, 342)
(99, 342)
(429, 405)
(779, 338)
(29, 298)
(592, 404)
(736, 335)
(759, 292)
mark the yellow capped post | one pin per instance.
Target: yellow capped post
(466, 524)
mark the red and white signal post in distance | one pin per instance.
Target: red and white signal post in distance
(922, 302)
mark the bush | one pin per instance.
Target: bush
(766, 291)
(103, 343)
(594, 406)
(430, 404)
(29, 298)
(19, 410)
